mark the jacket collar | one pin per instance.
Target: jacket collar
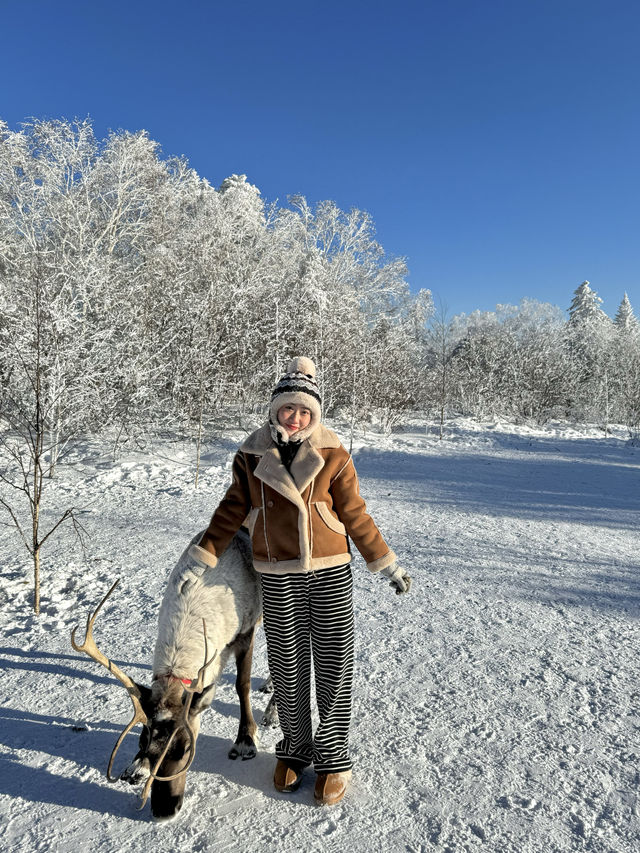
(260, 441)
(308, 462)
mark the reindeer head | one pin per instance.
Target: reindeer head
(170, 715)
(167, 742)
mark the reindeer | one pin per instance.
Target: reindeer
(220, 609)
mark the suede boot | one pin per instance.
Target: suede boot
(331, 787)
(286, 777)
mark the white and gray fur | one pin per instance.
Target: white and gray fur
(228, 598)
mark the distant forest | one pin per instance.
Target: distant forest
(136, 296)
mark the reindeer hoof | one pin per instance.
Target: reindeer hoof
(266, 686)
(243, 748)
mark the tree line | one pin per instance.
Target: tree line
(134, 295)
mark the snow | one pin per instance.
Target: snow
(497, 706)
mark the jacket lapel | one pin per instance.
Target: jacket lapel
(272, 472)
(258, 442)
(307, 463)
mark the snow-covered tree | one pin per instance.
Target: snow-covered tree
(538, 364)
(626, 361)
(440, 340)
(512, 362)
(25, 415)
(585, 306)
(168, 300)
(625, 318)
(46, 243)
(479, 363)
(589, 341)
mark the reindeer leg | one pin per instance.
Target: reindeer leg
(266, 686)
(245, 745)
(270, 717)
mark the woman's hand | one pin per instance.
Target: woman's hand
(400, 580)
(199, 560)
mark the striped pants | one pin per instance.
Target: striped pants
(310, 616)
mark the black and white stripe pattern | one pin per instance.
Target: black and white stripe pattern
(310, 616)
(297, 383)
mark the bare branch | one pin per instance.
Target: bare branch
(11, 483)
(68, 513)
(17, 525)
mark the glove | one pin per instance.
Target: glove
(191, 566)
(400, 580)
(200, 560)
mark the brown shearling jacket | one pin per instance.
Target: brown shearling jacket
(298, 522)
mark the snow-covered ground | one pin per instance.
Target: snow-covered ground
(497, 706)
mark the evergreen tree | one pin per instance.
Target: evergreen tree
(585, 306)
(625, 318)
(590, 339)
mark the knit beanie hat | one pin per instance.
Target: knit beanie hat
(298, 385)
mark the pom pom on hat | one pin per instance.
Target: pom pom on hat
(298, 385)
(302, 364)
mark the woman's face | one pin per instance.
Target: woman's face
(294, 417)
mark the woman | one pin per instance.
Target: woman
(296, 489)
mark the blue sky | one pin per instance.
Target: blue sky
(495, 142)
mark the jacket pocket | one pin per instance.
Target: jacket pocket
(329, 519)
(252, 518)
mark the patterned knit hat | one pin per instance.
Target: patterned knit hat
(298, 385)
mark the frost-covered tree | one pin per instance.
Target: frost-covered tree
(25, 455)
(46, 243)
(144, 202)
(441, 341)
(626, 361)
(480, 364)
(537, 365)
(512, 362)
(80, 214)
(589, 341)
(625, 318)
(332, 287)
(585, 306)
(171, 301)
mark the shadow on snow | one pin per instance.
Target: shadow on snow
(54, 739)
(582, 490)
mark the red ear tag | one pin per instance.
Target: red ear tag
(186, 681)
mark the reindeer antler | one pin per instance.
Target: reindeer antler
(195, 687)
(90, 648)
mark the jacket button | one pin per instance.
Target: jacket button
(269, 503)
(274, 559)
